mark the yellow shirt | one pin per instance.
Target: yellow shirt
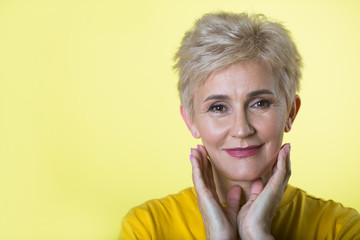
(299, 216)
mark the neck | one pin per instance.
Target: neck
(223, 184)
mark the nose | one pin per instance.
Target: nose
(241, 126)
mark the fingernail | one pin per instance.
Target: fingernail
(198, 147)
(191, 158)
(289, 146)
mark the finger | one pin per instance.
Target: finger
(204, 154)
(233, 199)
(207, 165)
(204, 161)
(285, 162)
(283, 168)
(288, 162)
(263, 201)
(256, 188)
(282, 157)
(195, 160)
(277, 183)
(207, 172)
(280, 170)
(202, 175)
(204, 166)
(271, 194)
(197, 175)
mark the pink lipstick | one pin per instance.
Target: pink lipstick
(244, 152)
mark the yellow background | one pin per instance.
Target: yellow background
(89, 113)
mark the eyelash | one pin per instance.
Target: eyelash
(258, 104)
(213, 107)
(261, 102)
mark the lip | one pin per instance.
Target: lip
(244, 152)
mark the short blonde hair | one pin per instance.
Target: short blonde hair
(219, 40)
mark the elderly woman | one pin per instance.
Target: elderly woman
(239, 75)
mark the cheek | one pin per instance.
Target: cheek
(271, 128)
(213, 131)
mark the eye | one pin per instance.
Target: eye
(218, 108)
(261, 104)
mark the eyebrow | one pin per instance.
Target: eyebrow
(217, 97)
(249, 95)
(259, 92)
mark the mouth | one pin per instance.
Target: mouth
(244, 152)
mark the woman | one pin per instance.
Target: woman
(238, 78)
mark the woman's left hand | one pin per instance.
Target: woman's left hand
(255, 216)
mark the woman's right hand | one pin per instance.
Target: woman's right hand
(220, 222)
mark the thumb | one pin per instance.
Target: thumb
(233, 199)
(256, 188)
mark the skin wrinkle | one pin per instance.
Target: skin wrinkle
(238, 94)
(238, 85)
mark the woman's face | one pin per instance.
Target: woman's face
(240, 115)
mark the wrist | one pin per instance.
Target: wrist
(256, 233)
(256, 236)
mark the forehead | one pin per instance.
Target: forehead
(239, 79)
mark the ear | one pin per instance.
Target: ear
(293, 112)
(187, 119)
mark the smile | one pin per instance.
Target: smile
(244, 152)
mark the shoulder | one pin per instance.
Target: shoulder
(318, 218)
(164, 207)
(298, 198)
(179, 212)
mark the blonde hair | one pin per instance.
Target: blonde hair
(219, 40)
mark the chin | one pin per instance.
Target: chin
(248, 177)
(251, 174)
